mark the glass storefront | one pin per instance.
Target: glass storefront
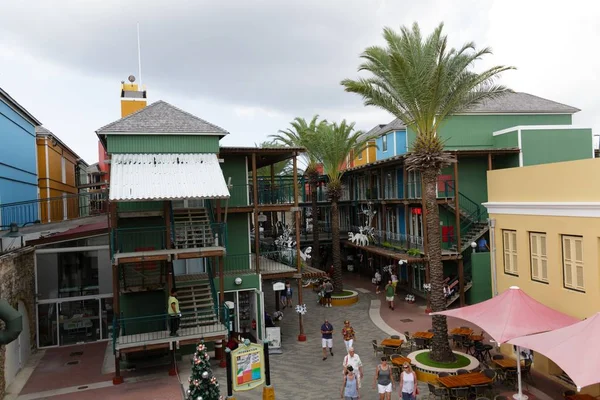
(74, 292)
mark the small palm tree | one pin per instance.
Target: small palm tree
(297, 136)
(422, 82)
(331, 145)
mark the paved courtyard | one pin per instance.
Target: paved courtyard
(300, 372)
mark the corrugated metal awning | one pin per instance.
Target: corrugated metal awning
(166, 177)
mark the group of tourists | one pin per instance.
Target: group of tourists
(353, 373)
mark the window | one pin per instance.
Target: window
(510, 252)
(63, 168)
(573, 262)
(360, 155)
(539, 261)
(384, 142)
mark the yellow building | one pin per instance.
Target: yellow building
(57, 177)
(546, 239)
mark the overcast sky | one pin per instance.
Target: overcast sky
(252, 66)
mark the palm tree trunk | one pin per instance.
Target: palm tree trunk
(338, 285)
(440, 349)
(316, 258)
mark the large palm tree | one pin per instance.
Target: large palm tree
(422, 82)
(331, 145)
(297, 136)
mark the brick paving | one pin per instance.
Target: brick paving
(300, 372)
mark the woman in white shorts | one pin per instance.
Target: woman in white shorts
(384, 379)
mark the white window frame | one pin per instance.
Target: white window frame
(538, 245)
(573, 266)
(384, 145)
(509, 247)
(63, 167)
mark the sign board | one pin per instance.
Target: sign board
(274, 338)
(248, 367)
(262, 218)
(277, 286)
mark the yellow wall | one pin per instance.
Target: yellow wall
(368, 155)
(560, 182)
(129, 106)
(565, 181)
(50, 180)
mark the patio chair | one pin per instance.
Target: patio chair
(461, 393)
(486, 352)
(464, 327)
(468, 345)
(457, 340)
(568, 393)
(490, 373)
(526, 371)
(437, 392)
(510, 378)
(500, 397)
(421, 343)
(376, 348)
(443, 374)
(497, 357)
(462, 372)
(394, 337)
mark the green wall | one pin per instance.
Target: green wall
(238, 234)
(140, 304)
(475, 131)
(249, 281)
(140, 206)
(234, 167)
(472, 178)
(549, 146)
(506, 161)
(482, 278)
(509, 139)
(162, 144)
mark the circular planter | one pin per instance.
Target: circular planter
(429, 374)
(346, 300)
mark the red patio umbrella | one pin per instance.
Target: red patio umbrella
(510, 315)
(574, 348)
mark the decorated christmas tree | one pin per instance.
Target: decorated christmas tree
(203, 385)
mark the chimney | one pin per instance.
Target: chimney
(133, 98)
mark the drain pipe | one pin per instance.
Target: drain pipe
(492, 226)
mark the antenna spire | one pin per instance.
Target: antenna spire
(139, 55)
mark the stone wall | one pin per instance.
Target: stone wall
(17, 282)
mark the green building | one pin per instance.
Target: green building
(516, 129)
(182, 215)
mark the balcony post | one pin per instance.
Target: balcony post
(490, 165)
(301, 335)
(256, 226)
(221, 281)
(461, 276)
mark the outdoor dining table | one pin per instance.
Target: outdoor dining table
(462, 331)
(399, 361)
(423, 335)
(465, 380)
(389, 342)
(581, 396)
(508, 363)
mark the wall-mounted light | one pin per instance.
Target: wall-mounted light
(473, 246)
(238, 281)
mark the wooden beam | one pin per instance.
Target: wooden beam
(200, 254)
(490, 166)
(461, 276)
(167, 214)
(297, 213)
(218, 210)
(140, 214)
(221, 281)
(255, 204)
(138, 259)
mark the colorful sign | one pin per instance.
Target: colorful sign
(248, 367)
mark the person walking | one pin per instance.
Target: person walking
(328, 288)
(394, 281)
(384, 379)
(327, 339)
(348, 334)
(408, 383)
(377, 281)
(352, 360)
(288, 294)
(389, 294)
(350, 388)
(174, 313)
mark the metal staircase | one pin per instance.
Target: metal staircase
(142, 276)
(471, 215)
(192, 228)
(456, 295)
(197, 304)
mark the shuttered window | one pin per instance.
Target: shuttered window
(509, 239)
(539, 260)
(573, 262)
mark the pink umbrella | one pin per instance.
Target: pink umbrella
(510, 315)
(574, 348)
